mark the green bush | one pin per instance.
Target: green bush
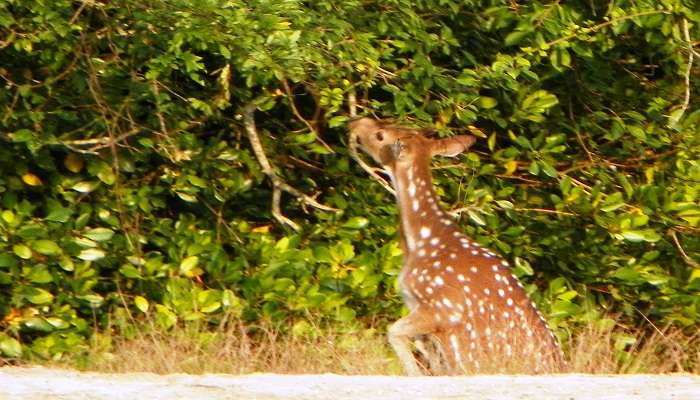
(130, 185)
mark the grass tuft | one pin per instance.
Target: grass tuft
(239, 348)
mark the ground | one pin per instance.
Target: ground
(44, 384)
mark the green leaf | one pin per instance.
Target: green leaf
(46, 247)
(84, 187)
(39, 296)
(99, 234)
(10, 347)
(474, 216)
(485, 102)
(188, 264)
(645, 235)
(8, 216)
(91, 254)
(141, 303)
(38, 324)
(516, 37)
(165, 317)
(356, 223)
(22, 251)
(59, 215)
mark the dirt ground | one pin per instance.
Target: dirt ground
(44, 384)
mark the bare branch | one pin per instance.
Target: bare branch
(352, 102)
(607, 23)
(686, 101)
(686, 258)
(297, 114)
(371, 171)
(278, 185)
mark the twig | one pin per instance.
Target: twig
(352, 105)
(686, 101)
(278, 185)
(604, 24)
(546, 211)
(371, 171)
(352, 102)
(686, 258)
(296, 113)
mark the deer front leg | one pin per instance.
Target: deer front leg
(401, 335)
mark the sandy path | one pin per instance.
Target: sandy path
(44, 384)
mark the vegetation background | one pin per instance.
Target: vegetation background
(185, 161)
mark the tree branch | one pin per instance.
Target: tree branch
(278, 185)
(686, 101)
(295, 111)
(685, 256)
(352, 105)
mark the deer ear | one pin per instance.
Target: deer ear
(452, 146)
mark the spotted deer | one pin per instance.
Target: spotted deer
(462, 297)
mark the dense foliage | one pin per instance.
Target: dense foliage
(130, 185)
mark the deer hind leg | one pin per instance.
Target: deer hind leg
(402, 334)
(432, 353)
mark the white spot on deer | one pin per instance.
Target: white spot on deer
(429, 290)
(436, 264)
(498, 277)
(416, 205)
(504, 263)
(447, 302)
(474, 269)
(424, 232)
(495, 268)
(449, 268)
(421, 253)
(438, 281)
(487, 331)
(454, 318)
(434, 241)
(475, 252)
(506, 315)
(460, 278)
(509, 301)
(487, 291)
(412, 189)
(501, 292)
(455, 348)
(468, 302)
(467, 289)
(414, 271)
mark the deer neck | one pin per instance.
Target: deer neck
(421, 217)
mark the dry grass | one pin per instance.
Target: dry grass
(621, 350)
(239, 349)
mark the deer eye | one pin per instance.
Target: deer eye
(380, 135)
